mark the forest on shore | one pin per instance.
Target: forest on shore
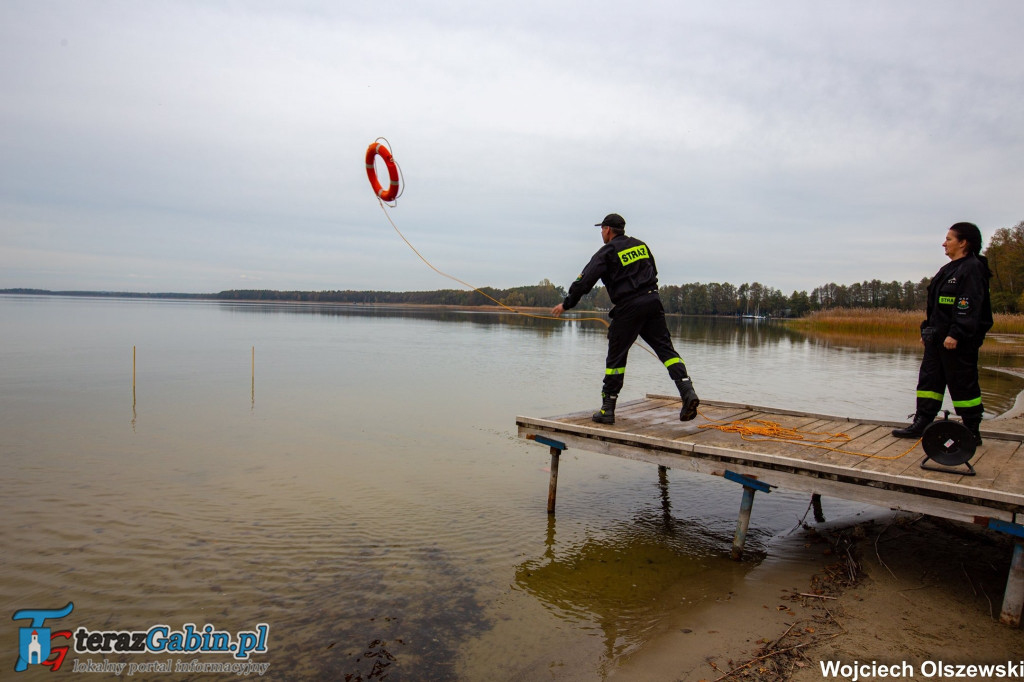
(1005, 254)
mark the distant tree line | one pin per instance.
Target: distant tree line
(1005, 253)
(104, 294)
(544, 294)
(757, 299)
(687, 299)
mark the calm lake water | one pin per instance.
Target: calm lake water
(363, 491)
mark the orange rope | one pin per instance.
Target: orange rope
(760, 430)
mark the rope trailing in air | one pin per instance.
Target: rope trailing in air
(392, 194)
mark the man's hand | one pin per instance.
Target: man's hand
(558, 310)
(949, 343)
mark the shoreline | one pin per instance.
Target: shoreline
(896, 589)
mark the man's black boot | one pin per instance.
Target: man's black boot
(916, 429)
(973, 425)
(606, 415)
(690, 399)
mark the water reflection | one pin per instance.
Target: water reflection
(623, 584)
(536, 320)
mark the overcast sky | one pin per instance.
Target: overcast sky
(200, 146)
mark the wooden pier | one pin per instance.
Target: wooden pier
(865, 464)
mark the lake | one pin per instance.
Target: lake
(351, 478)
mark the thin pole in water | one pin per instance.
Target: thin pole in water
(134, 415)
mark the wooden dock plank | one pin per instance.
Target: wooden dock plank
(1011, 478)
(649, 430)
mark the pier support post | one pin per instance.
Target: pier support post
(819, 515)
(1013, 598)
(553, 483)
(750, 486)
(740, 539)
(556, 450)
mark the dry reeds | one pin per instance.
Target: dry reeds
(1008, 324)
(886, 322)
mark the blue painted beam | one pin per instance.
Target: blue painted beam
(1006, 527)
(558, 445)
(748, 482)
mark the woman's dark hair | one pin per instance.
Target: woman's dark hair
(970, 233)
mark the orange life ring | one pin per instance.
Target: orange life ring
(391, 192)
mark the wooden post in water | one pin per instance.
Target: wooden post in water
(553, 483)
(556, 448)
(134, 414)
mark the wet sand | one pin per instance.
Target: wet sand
(894, 589)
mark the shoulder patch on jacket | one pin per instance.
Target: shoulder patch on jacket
(633, 254)
(963, 303)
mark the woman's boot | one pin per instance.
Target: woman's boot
(916, 429)
(973, 425)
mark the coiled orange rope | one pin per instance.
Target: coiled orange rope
(759, 430)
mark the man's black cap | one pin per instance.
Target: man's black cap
(614, 221)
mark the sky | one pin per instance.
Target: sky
(201, 146)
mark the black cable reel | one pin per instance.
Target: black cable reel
(949, 444)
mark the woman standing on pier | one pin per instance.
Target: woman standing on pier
(959, 315)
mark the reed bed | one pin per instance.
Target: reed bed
(886, 322)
